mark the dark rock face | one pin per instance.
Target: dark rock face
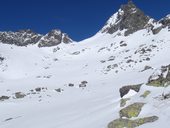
(124, 90)
(129, 17)
(54, 38)
(20, 38)
(165, 21)
(27, 37)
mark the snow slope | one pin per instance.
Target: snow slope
(103, 61)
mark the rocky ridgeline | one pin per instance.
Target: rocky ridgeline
(28, 37)
(54, 38)
(132, 19)
(128, 18)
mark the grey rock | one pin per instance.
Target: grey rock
(160, 79)
(28, 37)
(2, 58)
(54, 38)
(127, 123)
(58, 90)
(71, 85)
(2, 98)
(165, 21)
(20, 38)
(132, 110)
(157, 30)
(19, 95)
(124, 90)
(83, 84)
(38, 89)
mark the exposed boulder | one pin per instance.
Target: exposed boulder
(123, 101)
(145, 94)
(2, 98)
(157, 30)
(125, 89)
(58, 90)
(83, 84)
(126, 123)
(19, 95)
(38, 89)
(1, 58)
(131, 110)
(71, 85)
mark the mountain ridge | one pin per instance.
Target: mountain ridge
(129, 18)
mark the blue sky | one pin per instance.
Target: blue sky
(79, 18)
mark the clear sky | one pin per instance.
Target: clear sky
(79, 18)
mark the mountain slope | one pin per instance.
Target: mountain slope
(76, 85)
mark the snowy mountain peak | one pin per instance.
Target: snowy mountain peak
(20, 38)
(54, 37)
(129, 18)
(27, 37)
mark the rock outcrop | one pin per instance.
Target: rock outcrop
(132, 110)
(126, 123)
(54, 38)
(165, 21)
(125, 89)
(20, 38)
(2, 98)
(160, 78)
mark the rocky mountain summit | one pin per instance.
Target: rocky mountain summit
(128, 18)
(27, 37)
(20, 38)
(165, 21)
(54, 38)
(131, 19)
